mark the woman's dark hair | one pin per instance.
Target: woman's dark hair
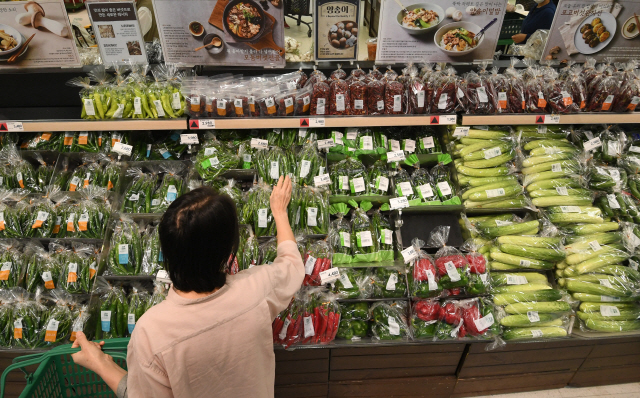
(198, 234)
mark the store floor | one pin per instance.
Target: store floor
(631, 390)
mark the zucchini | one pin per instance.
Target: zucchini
(553, 149)
(600, 261)
(475, 151)
(519, 297)
(548, 201)
(546, 175)
(483, 188)
(498, 266)
(544, 307)
(523, 320)
(513, 229)
(574, 218)
(510, 203)
(528, 333)
(553, 183)
(547, 144)
(595, 307)
(509, 191)
(625, 315)
(487, 134)
(612, 326)
(536, 253)
(530, 241)
(535, 160)
(480, 181)
(584, 243)
(491, 172)
(548, 166)
(577, 258)
(540, 193)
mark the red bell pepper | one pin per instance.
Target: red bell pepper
(470, 315)
(427, 310)
(458, 261)
(420, 270)
(477, 263)
(451, 314)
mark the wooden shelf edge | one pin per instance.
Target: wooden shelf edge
(530, 118)
(103, 125)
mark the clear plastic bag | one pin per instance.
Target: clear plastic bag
(28, 318)
(452, 266)
(113, 311)
(58, 319)
(375, 94)
(389, 321)
(423, 276)
(444, 93)
(317, 259)
(125, 253)
(13, 267)
(354, 283)
(479, 280)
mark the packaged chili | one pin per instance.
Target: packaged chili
(224, 106)
(629, 97)
(603, 70)
(303, 78)
(589, 71)
(375, 95)
(339, 98)
(314, 77)
(390, 74)
(286, 101)
(320, 98)
(289, 81)
(444, 95)
(303, 101)
(515, 89)
(415, 93)
(338, 74)
(240, 97)
(534, 88)
(462, 101)
(603, 94)
(358, 93)
(394, 98)
(356, 74)
(480, 95)
(267, 102)
(559, 100)
(375, 73)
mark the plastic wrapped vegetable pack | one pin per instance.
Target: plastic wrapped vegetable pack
(443, 184)
(389, 282)
(125, 253)
(349, 177)
(529, 307)
(389, 321)
(214, 158)
(139, 194)
(353, 321)
(425, 187)
(274, 162)
(529, 252)
(57, 320)
(423, 276)
(452, 265)
(12, 264)
(479, 280)
(317, 259)
(43, 268)
(113, 313)
(340, 234)
(28, 317)
(152, 258)
(171, 187)
(314, 215)
(78, 267)
(137, 305)
(364, 236)
(353, 283)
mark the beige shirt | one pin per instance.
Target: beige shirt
(220, 345)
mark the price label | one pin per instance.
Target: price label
(461, 132)
(382, 183)
(262, 218)
(122, 149)
(552, 119)
(163, 276)
(635, 149)
(609, 310)
(189, 139)
(605, 283)
(492, 153)
(204, 124)
(366, 143)
(426, 191)
(405, 189)
(409, 254)
(570, 209)
(308, 327)
(309, 265)
(482, 94)
(17, 126)
(305, 166)
(357, 185)
(346, 282)
(613, 201)
(391, 282)
(484, 322)
(533, 316)
(398, 203)
(595, 246)
(259, 144)
(427, 143)
(285, 327)
(562, 191)
(592, 144)
(448, 119)
(364, 239)
(329, 276)
(316, 122)
(328, 143)
(609, 299)
(452, 271)
(501, 223)
(556, 167)
(394, 328)
(536, 333)
(409, 146)
(395, 156)
(312, 216)
(345, 239)
(492, 193)
(433, 285)
(444, 188)
(516, 280)
(525, 263)
(321, 180)
(632, 264)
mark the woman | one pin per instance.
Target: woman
(212, 335)
(540, 17)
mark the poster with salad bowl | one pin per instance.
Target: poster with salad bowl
(36, 34)
(598, 29)
(439, 30)
(222, 32)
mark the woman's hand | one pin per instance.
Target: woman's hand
(90, 355)
(280, 197)
(519, 38)
(92, 358)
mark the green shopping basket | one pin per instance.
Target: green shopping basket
(58, 377)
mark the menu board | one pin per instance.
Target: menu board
(221, 32)
(591, 28)
(439, 31)
(117, 31)
(336, 33)
(36, 34)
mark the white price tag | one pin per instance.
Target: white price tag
(209, 151)
(516, 280)
(426, 191)
(391, 282)
(285, 327)
(484, 322)
(364, 239)
(635, 149)
(323, 179)
(492, 193)
(556, 167)
(444, 188)
(352, 133)
(605, 283)
(17, 126)
(394, 328)
(122, 149)
(308, 327)
(366, 143)
(525, 263)
(562, 191)
(382, 183)
(346, 282)
(309, 265)
(409, 254)
(259, 144)
(398, 203)
(595, 246)
(397, 103)
(395, 156)
(274, 170)
(409, 146)
(442, 101)
(189, 139)
(536, 333)
(394, 145)
(305, 166)
(345, 239)
(609, 299)
(482, 94)
(205, 124)
(405, 188)
(89, 108)
(358, 185)
(501, 223)
(329, 276)
(552, 119)
(447, 119)
(312, 216)
(316, 121)
(137, 105)
(592, 144)
(433, 285)
(609, 310)
(452, 271)
(570, 209)
(461, 132)
(262, 218)
(420, 97)
(328, 143)
(492, 153)
(613, 201)
(427, 143)
(533, 316)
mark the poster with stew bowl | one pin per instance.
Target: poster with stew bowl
(439, 30)
(222, 32)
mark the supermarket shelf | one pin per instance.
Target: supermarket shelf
(328, 121)
(374, 199)
(580, 118)
(102, 125)
(478, 211)
(577, 333)
(129, 278)
(433, 209)
(424, 159)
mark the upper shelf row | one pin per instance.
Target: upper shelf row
(331, 121)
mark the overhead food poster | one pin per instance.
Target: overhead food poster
(590, 28)
(36, 34)
(439, 31)
(221, 32)
(336, 30)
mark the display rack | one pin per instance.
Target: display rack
(530, 118)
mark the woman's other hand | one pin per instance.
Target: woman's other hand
(280, 197)
(519, 38)
(91, 357)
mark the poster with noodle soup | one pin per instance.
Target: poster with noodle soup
(222, 32)
(598, 29)
(439, 30)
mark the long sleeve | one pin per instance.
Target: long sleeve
(285, 275)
